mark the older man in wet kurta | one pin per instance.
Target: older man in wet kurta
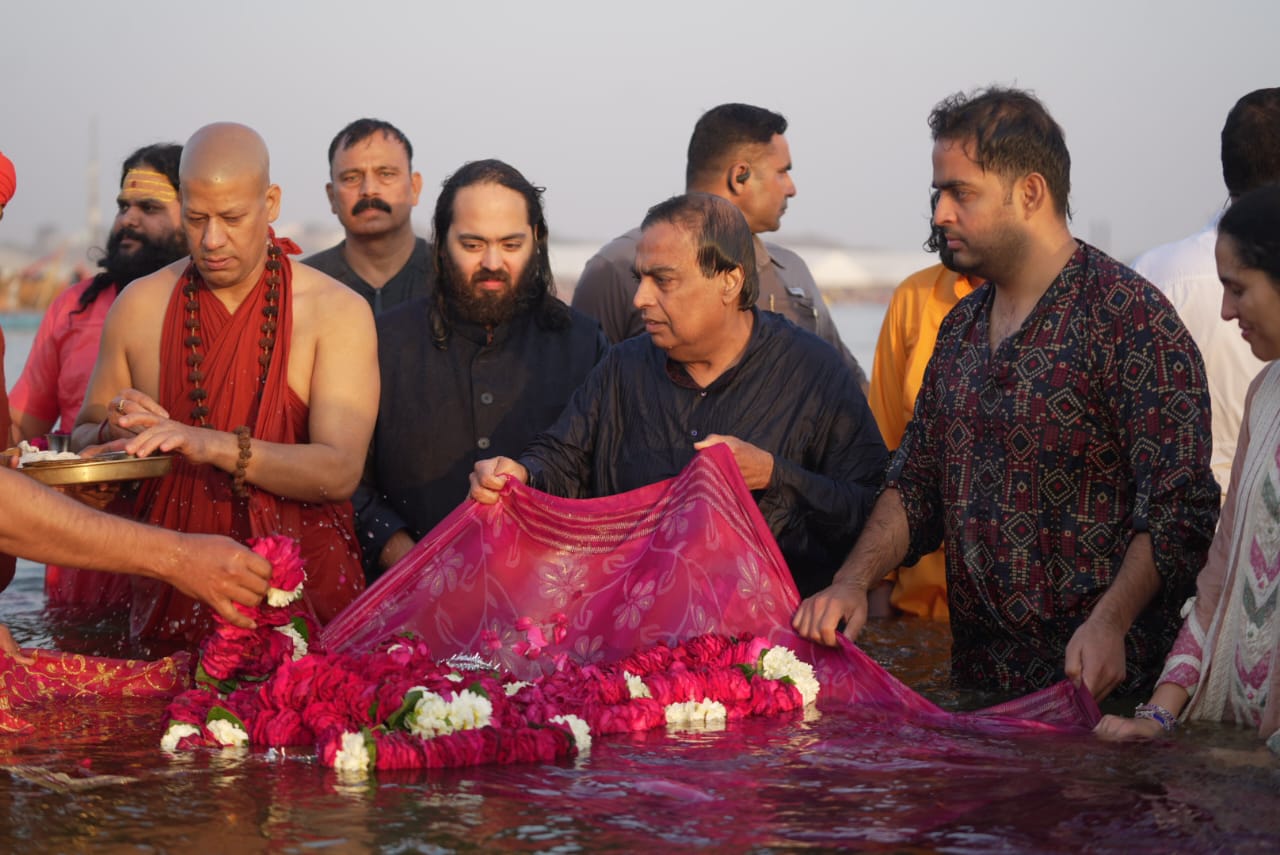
(260, 375)
(714, 369)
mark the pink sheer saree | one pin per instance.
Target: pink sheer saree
(673, 560)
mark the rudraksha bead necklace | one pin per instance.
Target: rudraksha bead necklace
(270, 312)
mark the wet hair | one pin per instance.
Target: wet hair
(549, 312)
(722, 131)
(163, 158)
(1010, 133)
(1251, 142)
(720, 233)
(360, 130)
(1253, 224)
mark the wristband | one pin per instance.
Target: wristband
(1161, 716)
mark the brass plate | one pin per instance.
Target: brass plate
(95, 470)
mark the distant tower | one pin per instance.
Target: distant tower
(93, 222)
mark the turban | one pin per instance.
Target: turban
(8, 180)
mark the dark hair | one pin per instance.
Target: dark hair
(722, 131)
(937, 238)
(549, 312)
(1012, 135)
(719, 232)
(1251, 142)
(361, 129)
(1253, 223)
(163, 158)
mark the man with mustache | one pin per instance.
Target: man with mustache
(740, 153)
(714, 369)
(145, 236)
(1060, 443)
(478, 368)
(373, 190)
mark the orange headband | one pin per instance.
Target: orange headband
(147, 183)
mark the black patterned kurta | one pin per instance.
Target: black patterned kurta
(1039, 464)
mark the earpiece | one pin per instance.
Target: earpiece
(743, 175)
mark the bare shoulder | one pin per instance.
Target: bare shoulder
(325, 301)
(150, 294)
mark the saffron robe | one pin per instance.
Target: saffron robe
(198, 498)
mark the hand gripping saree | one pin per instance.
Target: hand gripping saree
(199, 498)
(607, 576)
(663, 563)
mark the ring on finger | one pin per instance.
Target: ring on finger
(120, 406)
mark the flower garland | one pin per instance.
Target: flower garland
(397, 707)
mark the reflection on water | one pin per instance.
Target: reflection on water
(95, 777)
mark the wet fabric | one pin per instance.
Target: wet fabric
(636, 418)
(1041, 461)
(198, 498)
(58, 678)
(676, 559)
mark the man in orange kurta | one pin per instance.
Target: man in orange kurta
(906, 342)
(258, 374)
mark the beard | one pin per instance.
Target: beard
(124, 267)
(468, 302)
(1000, 249)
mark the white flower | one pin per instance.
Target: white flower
(279, 597)
(227, 732)
(455, 677)
(780, 663)
(695, 713)
(636, 686)
(353, 756)
(470, 711)
(299, 643)
(176, 733)
(430, 716)
(512, 688)
(580, 729)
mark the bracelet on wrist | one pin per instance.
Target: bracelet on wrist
(242, 462)
(1161, 716)
(102, 430)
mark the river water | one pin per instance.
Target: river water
(846, 778)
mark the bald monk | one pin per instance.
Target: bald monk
(258, 374)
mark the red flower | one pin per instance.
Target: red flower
(286, 560)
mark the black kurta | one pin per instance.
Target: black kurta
(442, 410)
(636, 418)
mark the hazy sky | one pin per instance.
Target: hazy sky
(595, 100)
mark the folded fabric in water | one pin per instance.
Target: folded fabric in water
(535, 577)
(57, 676)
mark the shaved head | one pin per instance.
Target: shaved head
(225, 151)
(228, 203)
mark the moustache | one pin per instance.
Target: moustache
(370, 202)
(130, 234)
(485, 275)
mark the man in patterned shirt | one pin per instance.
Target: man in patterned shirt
(1061, 439)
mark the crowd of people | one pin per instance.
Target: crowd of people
(1032, 459)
